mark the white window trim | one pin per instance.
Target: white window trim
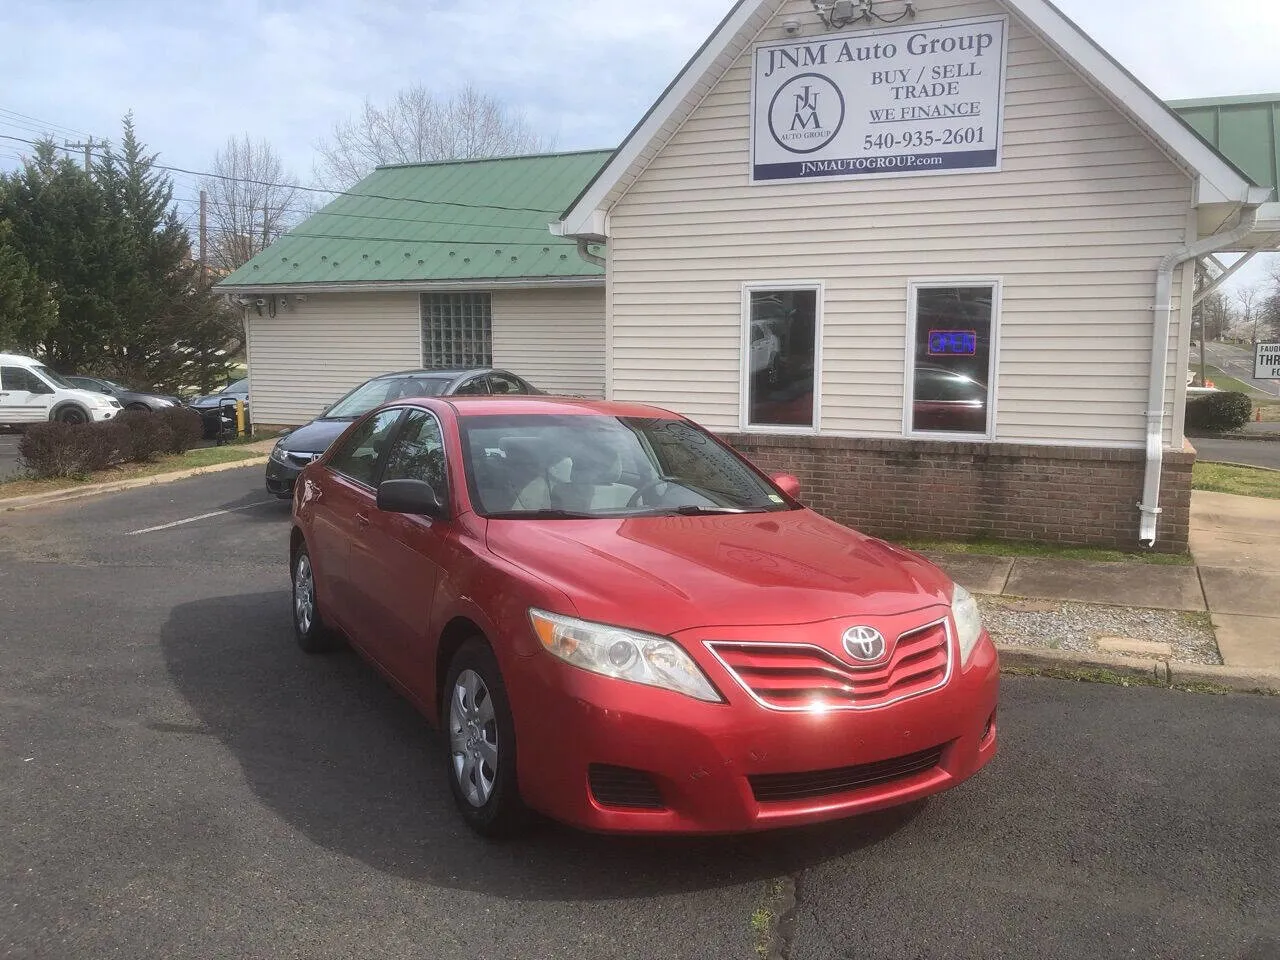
(744, 357)
(909, 378)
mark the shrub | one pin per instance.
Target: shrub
(149, 437)
(186, 425)
(1218, 412)
(71, 450)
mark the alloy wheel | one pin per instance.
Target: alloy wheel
(473, 738)
(304, 595)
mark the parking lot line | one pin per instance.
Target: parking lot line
(203, 516)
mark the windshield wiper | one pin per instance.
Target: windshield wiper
(693, 510)
(547, 514)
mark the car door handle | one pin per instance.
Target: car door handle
(362, 519)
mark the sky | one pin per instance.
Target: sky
(582, 71)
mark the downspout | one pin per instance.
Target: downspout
(1150, 505)
(587, 255)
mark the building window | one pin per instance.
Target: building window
(781, 349)
(951, 357)
(457, 331)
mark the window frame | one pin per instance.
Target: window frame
(406, 412)
(381, 462)
(818, 288)
(914, 286)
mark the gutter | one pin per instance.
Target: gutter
(587, 255)
(1150, 505)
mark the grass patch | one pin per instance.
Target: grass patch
(1083, 675)
(1242, 481)
(192, 459)
(1000, 548)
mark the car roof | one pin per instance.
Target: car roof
(17, 360)
(437, 374)
(486, 406)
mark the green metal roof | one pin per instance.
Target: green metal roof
(1246, 130)
(457, 220)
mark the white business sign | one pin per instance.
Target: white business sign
(904, 101)
(1266, 362)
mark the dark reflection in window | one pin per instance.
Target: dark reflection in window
(781, 349)
(952, 359)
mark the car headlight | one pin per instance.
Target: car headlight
(279, 454)
(964, 611)
(623, 654)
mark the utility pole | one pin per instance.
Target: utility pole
(88, 150)
(204, 226)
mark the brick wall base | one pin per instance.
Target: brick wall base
(1083, 496)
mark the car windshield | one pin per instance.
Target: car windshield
(537, 466)
(377, 392)
(240, 386)
(54, 378)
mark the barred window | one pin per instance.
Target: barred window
(457, 331)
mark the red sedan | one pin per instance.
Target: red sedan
(622, 624)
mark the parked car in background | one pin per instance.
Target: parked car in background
(621, 624)
(210, 405)
(32, 393)
(948, 400)
(129, 399)
(299, 447)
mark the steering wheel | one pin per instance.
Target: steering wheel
(638, 497)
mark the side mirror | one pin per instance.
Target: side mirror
(787, 484)
(415, 497)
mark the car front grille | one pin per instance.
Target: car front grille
(783, 787)
(792, 676)
(623, 787)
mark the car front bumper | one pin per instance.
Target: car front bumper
(103, 414)
(282, 476)
(738, 766)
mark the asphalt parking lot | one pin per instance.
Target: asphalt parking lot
(8, 452)
(177, 780)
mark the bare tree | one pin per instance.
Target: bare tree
(417, 126)
(250, 205)
(1249, 299)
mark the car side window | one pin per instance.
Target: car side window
(474, 386)
(19, 378)
(357, 458)
(418, 453)
(504, 383)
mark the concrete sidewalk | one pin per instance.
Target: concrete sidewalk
(1236, 544)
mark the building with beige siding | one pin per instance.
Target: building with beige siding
(426, 265)
(936, 259)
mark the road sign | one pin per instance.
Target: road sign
(1266, 362)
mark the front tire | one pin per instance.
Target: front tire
(481, 745)
(72, 415)
(311, 632)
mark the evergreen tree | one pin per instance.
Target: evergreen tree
(27, 307)
(131, 300)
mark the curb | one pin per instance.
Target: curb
(78, 493)
(1104, 668)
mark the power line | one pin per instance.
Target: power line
(332, 193)
(45, 124)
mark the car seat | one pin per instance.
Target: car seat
(593, 483)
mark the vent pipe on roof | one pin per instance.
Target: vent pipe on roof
(1150, 505)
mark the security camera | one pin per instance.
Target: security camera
(260, 302)
(791, 26)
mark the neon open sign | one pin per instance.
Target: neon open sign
(953, 343)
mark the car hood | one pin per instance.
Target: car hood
(314, 437)
(667, 574)
(215, 399)
(89, 397)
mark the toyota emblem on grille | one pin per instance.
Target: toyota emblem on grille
(864, 643)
